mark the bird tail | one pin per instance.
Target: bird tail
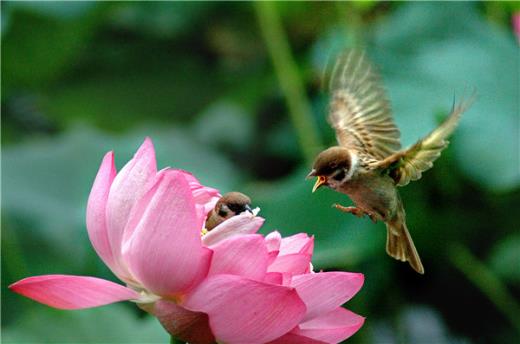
(399, 243)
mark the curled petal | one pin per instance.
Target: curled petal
(246, 311)
(164, 251)
(205, 197)
(72, 292)
(298, 243)
(273, 241)
(128, 187)
(325, 291)
(241, 224)
(96, 210)
(333, 327)
(245, 256)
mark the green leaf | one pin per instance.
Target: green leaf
(163, 19)
(505, 258)
(108, 324)
(38, 48)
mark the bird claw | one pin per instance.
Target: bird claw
(355, 211)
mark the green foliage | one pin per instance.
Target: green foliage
(85, 78)
(91, 325)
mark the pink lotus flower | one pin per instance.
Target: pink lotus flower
(230, 285)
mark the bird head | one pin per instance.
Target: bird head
(233, 203)
(332, 168)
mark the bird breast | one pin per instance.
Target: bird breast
(373, 193)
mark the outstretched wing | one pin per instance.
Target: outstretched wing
(359, 110)
(409, 164)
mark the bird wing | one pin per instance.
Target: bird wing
(408, 164)
(360, 111)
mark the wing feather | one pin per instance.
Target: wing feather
(408, 165)
(359, 110)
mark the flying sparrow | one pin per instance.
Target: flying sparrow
(368, 164)
(229, 205)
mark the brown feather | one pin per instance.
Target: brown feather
(399, 243)
(407, 165)
(359, 110)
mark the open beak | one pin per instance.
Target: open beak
(319, 182)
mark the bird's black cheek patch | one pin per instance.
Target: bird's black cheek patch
(340, 175)
(222, 213)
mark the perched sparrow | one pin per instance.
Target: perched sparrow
(229, 205)
(368, 164)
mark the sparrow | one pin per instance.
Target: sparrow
(229, 205)
(368, 164)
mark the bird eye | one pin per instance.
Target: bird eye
(222, 212)
(340, 175)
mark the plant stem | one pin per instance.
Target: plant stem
(290, 82)
(484, 278)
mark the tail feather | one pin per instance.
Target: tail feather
(399, 243)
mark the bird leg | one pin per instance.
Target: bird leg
(355, 211)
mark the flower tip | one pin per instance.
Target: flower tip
(146, 147)
(16, 285)
(109, 157)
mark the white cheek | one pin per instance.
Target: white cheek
(353, 165)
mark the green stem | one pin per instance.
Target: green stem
(484, 278)
(290, 82)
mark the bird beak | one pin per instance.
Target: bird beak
(319, 182)
(311, 174)
(248, 208)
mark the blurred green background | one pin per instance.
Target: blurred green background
(232, 92)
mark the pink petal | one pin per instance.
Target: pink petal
(245, 256)
(96, 210)
(280, 278)
(273, 241)
(274, 278)
(516, 25)
(205, 197)
(188, 326)
(127, 188)
(325, 291)
(332, 327)
(72, 292)
(293, 263)
(272, 257)
(246, 311)
(298, 243)
(245, 223)
(164, 250)
(292, 338)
